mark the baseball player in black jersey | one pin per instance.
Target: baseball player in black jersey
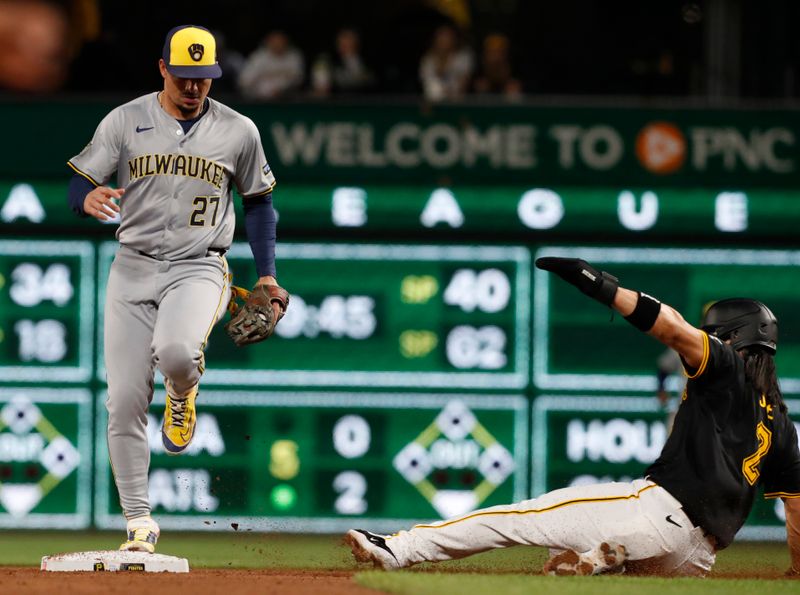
(731, 436)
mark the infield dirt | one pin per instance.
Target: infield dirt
(32, 581)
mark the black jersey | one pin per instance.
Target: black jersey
(726, 442)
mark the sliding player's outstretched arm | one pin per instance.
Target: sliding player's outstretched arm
(643, 311)
(669, 327)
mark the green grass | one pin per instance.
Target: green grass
(500, 572)
(515, 584)
(209, 550)
(259, 550)
(479, 575)
(763, 558)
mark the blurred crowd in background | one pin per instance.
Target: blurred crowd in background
(442, 50)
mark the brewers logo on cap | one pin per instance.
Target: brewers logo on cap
(196, 51)
(190, 52)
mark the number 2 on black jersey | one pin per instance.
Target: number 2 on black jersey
(750, 464)
(202, 204)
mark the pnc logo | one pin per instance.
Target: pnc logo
(661, 148)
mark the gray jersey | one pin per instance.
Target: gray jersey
(177, 202)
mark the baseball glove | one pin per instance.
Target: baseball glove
(255, 320)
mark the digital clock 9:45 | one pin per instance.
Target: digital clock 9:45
(338, 316)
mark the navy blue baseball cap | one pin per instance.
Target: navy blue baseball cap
(190, 52)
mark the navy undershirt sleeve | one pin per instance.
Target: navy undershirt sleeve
(260, 224)
(79, 187)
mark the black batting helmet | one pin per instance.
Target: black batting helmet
(744, 321)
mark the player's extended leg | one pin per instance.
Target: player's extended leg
(128, 330)
(192, 302)
(578, 519)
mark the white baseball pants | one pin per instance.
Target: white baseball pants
(640, 515)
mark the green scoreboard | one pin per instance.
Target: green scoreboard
(45, 457)
(270, 460)
(407, 382)
(384, 315)
(577, 348)
(47, 310)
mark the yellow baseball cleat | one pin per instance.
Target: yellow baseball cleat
(143, 534)
(179, 419)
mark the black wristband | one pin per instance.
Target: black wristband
(645, 313)
(607, 289)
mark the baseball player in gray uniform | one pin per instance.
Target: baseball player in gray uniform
(176, 154)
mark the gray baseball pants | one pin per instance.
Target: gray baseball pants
(157, 313)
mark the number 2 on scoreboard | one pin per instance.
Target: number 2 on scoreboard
(352, 489)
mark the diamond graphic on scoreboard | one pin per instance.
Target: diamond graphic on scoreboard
(20, 415)
(496, 463)
(20, 498)
(60, 458)
(413, 462)
(456, 421)
(455, 441)
(450, 503)
(32, 447)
